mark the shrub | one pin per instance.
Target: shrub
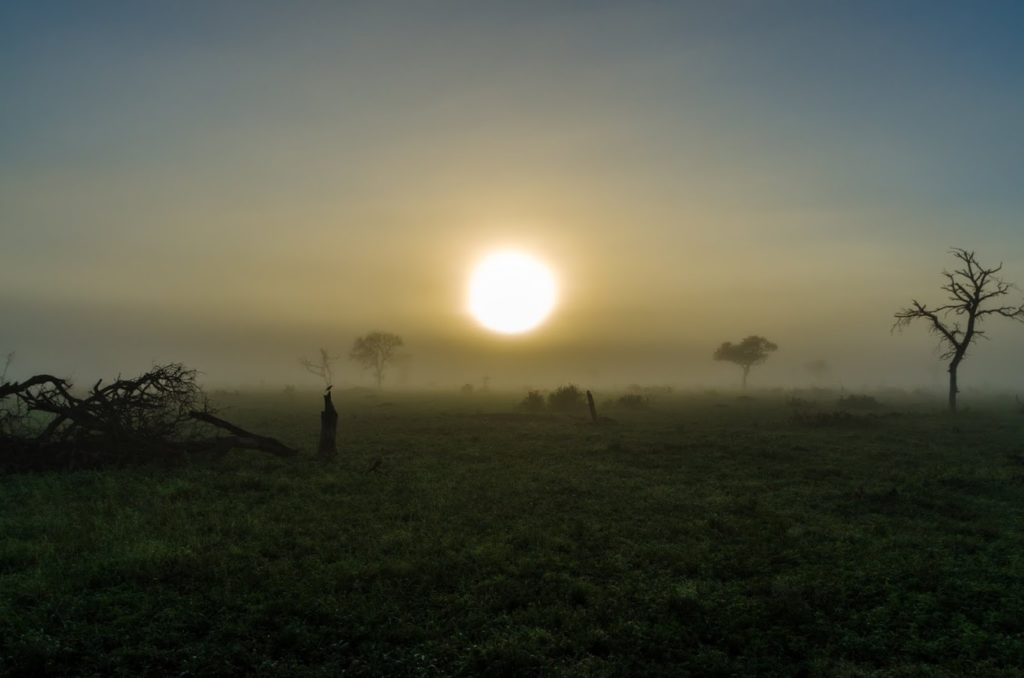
(565, 398)
(859, 402)
(633, 401)
(650, 390)
(533, 402)
(827, 419)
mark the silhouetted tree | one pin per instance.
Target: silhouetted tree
(753, 350)
(375, 352)
(327, 447)
(161, 413)
(971, 289)
(323, 368)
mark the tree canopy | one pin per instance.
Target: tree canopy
(753, 350)
(375, 351)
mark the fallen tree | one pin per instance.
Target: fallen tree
(162, 414)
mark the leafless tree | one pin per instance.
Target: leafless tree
(753, 350)
(327, 447)
(323, 368)
(162, 412)
(375, 352)
(972, 289)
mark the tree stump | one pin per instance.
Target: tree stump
(593, 408)
(328, 447)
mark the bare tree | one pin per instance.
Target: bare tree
(971, 289)
(753, 350)
(327, 447)
(323, 368)
(375, 352)
(161, 413)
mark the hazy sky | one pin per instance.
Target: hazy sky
(233, 184)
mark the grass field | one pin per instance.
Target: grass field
(708, 534)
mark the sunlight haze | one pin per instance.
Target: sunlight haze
(234, 186)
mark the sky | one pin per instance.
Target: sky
(234, 185)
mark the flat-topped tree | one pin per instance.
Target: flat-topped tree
(973, 291)
(753, 350)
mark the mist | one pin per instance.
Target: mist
(237, 189)
(511, 339)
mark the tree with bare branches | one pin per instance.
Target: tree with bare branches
(375, 352)
(972, 289)
(753, 350)
(327, 447)
(158, 414)
(323, 368)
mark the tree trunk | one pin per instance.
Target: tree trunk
(328, 447)
(746, 371)
(593, 408)
(953, 390)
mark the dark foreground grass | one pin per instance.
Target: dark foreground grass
(706, 535)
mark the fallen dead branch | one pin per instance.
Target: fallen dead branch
(157, 415)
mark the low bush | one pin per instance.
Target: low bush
(533, 402)
(859, 402)
(565, 398)
(632, 401)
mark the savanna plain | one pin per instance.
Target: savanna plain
(775, 533)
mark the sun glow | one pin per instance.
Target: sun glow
(511, 292)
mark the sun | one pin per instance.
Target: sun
(511, 292)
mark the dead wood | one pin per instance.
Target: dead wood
(158, 415)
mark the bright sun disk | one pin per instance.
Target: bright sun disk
(511, 292)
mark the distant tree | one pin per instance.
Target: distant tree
(818, 369)
(753, 350)
(971, 289)
(323, 368)
(375, 352)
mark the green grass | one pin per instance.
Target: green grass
(706, 535)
